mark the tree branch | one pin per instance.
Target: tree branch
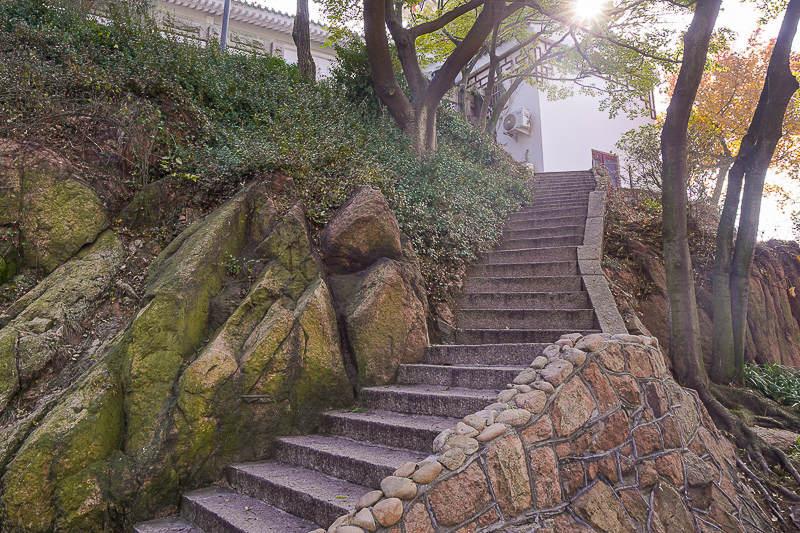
(431, 26)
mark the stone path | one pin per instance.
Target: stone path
(516, 300)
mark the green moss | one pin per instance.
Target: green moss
(9, 261)
(82, 430)
(9, 377)
(83, 500)
(59, 218)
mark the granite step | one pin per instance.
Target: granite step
(525, 318)
(574, 188)
(454, 402)
(549, 222)
(550, 207)
(170, 524)
(542, 255)
(524, 300)
(486, 354)
(304, 493)
(533, 231)
(541, 242)
(526, 270)
(388, 428)
(547, 214)
(467, 376)
(223, 510)
(530, 255)
(516, 336)
(358, 462)
(560, 197)
(523, 284)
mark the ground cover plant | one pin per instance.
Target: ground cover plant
(130, 106)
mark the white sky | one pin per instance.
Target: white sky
(736, 15)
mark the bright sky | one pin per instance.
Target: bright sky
(736, 15)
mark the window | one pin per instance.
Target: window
(609, 162)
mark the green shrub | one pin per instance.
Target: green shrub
(180, 112)
(775, 381)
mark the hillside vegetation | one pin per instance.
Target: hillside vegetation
(130, 106)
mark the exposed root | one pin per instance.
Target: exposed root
(773, 505)
(767, 412)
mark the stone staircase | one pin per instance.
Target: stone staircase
(516, 300)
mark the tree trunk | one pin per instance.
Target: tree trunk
(380, 64)
(685, 349)
(722, 368)
(302, 40)
(717, 194)
(418, 120)
(491, 78)
(751, 164)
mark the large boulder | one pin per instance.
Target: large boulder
(362, 231)
(172, 400)
(384, 315)
(55, 212)
(378, 287)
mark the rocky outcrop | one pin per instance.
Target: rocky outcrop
(235, 341)
(37, 325)
(378, 287)
(594, 436)
(363, 231)
(55, 213)
(773, 313)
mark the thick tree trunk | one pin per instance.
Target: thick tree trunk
(722, 368)
(751, 164)
(685, 347)
(380, 63)
(302, 40)
(418, 120)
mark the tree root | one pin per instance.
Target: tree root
(773, 505)
(767, 412)
(758, 451)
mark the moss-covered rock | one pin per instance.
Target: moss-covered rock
(9, 260)
(60, 217)
(165, 408)
(385, 316)
(37, 324)
(362, 231)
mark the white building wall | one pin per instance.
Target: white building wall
(271, 30)
(564, 132)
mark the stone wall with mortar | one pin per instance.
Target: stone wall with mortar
(594, 436)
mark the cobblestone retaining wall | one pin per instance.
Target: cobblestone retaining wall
(594, 436)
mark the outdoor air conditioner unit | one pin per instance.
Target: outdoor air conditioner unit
(518, 121)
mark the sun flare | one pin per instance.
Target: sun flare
(587, 10)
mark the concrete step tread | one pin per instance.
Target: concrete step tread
(426, 399)
(392, 428)
(567, 250)
(385, 456)
(480, 336)
(225, 509)
(466, 376)
(170, 524)
(394, 418)
(523, 278)
(312, 495)
(524, 312)
(433, 390)
(472, 366)
(516, 353)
